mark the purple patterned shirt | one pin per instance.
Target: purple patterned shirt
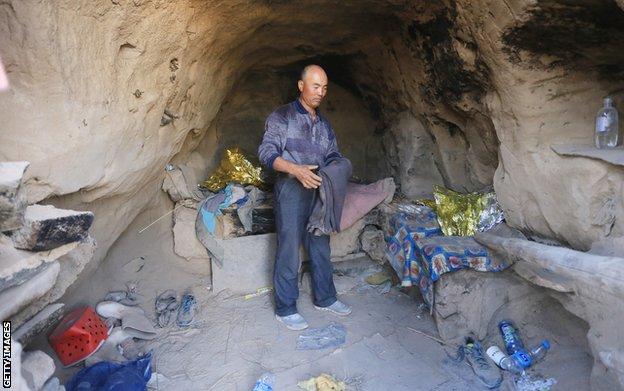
(289, 132)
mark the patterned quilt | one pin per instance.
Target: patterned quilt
(420, 254)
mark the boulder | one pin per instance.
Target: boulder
(373, 243)
(46, 227)
(12, 198)
(466, 301)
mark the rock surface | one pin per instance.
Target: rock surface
(592, 286)
(39, 323)
(373, 244)
(46, 227)
(70, 267)
(37, 368)
(488, 87)
(185, 242)
(16, 298)
(17, 266)
(12, 197)
(462, 73)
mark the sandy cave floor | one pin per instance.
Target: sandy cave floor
(234, 340)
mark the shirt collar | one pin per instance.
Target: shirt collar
(302, 109)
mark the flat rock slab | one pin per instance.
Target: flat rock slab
(39, 323)
(12, 199)
(17, 266)
(46, 227)
(71, 265)
(14, 299)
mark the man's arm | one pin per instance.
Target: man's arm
(270, 151)
(302, 172)
(332, 149)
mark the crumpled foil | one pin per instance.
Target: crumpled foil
(234, 167)
(464, 214)
(491, 215)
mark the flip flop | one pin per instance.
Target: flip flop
(187, 310)
(166, 301)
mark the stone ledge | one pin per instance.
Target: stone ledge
(613, 156)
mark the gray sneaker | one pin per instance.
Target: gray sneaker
(338, 308)
(293, 322)
(488, 373)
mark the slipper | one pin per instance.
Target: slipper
(187, 310)
(165, 304)
(133, 319)
(164, 318)
(166, 301)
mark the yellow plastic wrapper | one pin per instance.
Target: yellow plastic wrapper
(323, 382)
(234, 167)
(458, 214)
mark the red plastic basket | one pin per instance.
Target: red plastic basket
(80, 333)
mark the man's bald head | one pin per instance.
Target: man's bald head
(312, 86)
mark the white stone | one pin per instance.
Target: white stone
(12, 197)
(37, 368)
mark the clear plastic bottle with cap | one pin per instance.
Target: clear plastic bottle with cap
(538, 352)
(607, 128)
(511, 363)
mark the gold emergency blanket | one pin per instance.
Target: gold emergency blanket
(234, 167)
(458, 214)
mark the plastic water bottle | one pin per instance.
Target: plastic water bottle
(539, 352)
(607, 125)
(510, 363)
(265, 383)
(513, 343)
(512, 340)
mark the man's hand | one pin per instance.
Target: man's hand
(307, 177)
(302, 172)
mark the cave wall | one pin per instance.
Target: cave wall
(240, 121)
(105, 93)
(554, 61)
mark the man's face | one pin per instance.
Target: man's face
(314, 87)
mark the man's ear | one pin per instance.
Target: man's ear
(300, 85)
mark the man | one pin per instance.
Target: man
(297, 140)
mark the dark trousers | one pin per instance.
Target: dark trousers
(293, 205)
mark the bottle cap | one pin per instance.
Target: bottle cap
(546, 344)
